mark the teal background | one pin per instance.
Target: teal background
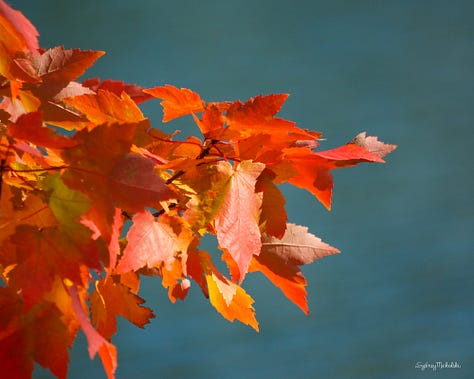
(401, 292)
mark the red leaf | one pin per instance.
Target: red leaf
(114, 244)
(236, 222)
(29, 127)
(117, 87)
(135, 174)
(36, 335)
(273, 217)
(97, 343)
(90, 163)
(40, 257)
(176, 102)
(314, 167)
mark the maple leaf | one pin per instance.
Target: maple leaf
(111, 299)
(313, 168)
(273, 215)
(236, 222)
(257, 116)
(29, 127)
(106, 107)
(65, 198)
(30, 210)
(18, 38)
(360, 149)
(117, 87)
(35, 335)
(212, 121)
(60, 65)
(97, 343)
(108, 180)
(229, 299)
(40, 255)
(279, 259)
(207, 198)
(18, 33)
(173, 278)
(176, 102)
(150, 243)
(66, 204)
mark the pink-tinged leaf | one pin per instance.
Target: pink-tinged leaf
(150, 243)
(135, 174)
(61, 65)
(73, 89)
(280, 258)
(373, 145)
(360, 149)
(117, 87)
(297, 247)
(16, 27)
(237, 220)
(97, 343)
(176, 102)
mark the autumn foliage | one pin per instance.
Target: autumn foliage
(93, 197)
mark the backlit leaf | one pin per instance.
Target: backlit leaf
(150, 243)
(64, 65)
(176, 102)
(111, 299)
(97, 343)
(230, 300)
(106, 107)
(280, 258)
(237, 221)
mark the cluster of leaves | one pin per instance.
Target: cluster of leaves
(93, 197)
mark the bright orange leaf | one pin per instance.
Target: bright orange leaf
(230, 300)
(106, 107)
(176, 102)
(111, 299)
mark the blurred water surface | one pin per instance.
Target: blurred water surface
(401, 292)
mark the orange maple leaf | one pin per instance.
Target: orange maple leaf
(176, 102)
